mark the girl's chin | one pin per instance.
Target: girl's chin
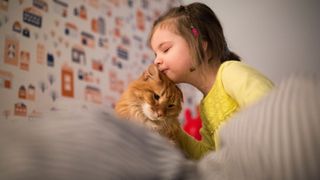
(170, 76)
(174, 80)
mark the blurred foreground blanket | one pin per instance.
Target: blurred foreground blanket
(277, 138)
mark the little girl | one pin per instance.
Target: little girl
(190, 47)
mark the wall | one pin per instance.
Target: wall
(83, 51)
(275, 36)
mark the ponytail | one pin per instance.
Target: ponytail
(231, 56)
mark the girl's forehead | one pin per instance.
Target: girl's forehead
(161, 35)
(162, 32)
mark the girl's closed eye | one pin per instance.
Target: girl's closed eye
(166, 50)
(165, 47)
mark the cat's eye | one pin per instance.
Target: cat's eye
(170, 105)
(156, 96)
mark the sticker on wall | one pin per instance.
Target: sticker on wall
(98, 26)
(140, 20)
(22, 92)
(54, 95)
(43, 86)
(41, 53)
(87, 39)
(4, 5)
(32, 16)
(24, 60)
(67, 81)
(103, 42)
(26, 32)
(27, 93)
(71, 30)
(97, 65)
(93, 94)
(20, 109)
(80, 12)
(11, 51)
(78, 55)
(50, 60)
(87, 76)
(40, 4)
(81, 74)
(5, 79)
(122, 53)
(60, 7)
(31, 92)
(117, 32)
(115, 84)
(116, 62)
(16, 27)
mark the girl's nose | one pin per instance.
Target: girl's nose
(157, 61)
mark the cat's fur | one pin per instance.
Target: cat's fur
(153, 100)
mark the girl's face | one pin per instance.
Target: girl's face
(172, 55)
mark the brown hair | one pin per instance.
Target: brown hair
(182, 19)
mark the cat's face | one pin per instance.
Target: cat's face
(160, 97)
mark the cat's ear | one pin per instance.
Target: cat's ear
(151, 73)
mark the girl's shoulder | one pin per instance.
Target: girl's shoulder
(233, 64)
(243, 83)
(236, 68)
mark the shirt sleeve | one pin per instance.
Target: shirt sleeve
(243, 83)
(192, 148)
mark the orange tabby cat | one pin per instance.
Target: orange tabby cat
(153, 100)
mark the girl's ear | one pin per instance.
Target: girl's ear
(151, 73)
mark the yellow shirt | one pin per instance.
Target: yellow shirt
(236, 86)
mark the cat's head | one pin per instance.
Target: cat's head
(161, 97)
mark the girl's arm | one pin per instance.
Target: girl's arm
(192, 148)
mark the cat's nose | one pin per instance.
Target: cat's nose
(160, 113)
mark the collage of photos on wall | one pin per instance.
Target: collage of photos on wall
(86, 52)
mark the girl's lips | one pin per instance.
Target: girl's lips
(164, 70)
